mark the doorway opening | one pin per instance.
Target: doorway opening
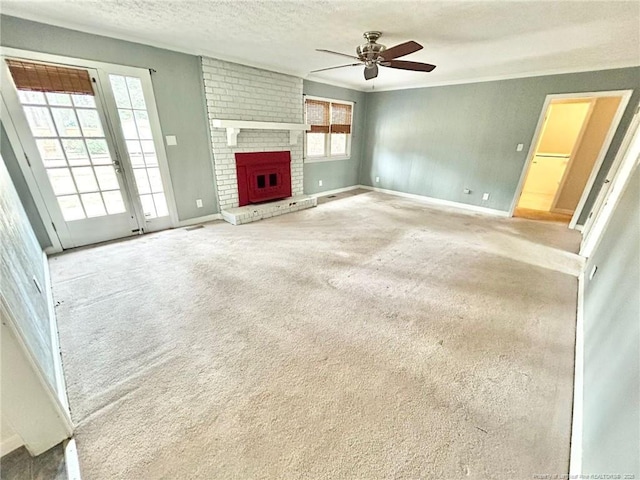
(573, 135)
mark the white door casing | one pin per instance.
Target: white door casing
(613, 187)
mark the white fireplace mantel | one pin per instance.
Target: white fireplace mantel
(234, 126)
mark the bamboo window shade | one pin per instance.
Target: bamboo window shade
(39, 77)
(318, 115)
(340, 118)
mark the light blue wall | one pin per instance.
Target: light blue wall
(337, 173)
(611, 430)
(437, 141)
(177, 84)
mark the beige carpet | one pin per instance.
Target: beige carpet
(371, 337)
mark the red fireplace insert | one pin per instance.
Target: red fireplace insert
(263, 176)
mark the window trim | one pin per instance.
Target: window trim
(327, 142)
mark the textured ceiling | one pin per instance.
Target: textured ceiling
(468, 41)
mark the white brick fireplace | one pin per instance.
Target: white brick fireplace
(238, 92)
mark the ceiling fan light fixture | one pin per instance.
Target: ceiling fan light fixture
(372, 54)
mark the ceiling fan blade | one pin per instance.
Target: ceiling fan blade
(404, 65)
(338, 53)
(371, 72)
(339, 66)
(401, 50)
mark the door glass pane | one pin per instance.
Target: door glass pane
(83, 148)
(27, 96)
(39, 120)
(85, 179)
(66, 122)
(136, 129)
(83, 101)
(90, 123)
(155, 179)
(128, 124)
(142, 182)
(61, 181)
(61, 99)
(75, 151)
(119, 88)
(99, 152)
(71, 207)
(135, 93)
(148, 207)
(93, 204)
(51, 152)
(113, 201)
(107, 177)
(135, 153)
(161, 204)
(149, 153)
(142, 121)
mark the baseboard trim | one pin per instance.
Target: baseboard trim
(575, 456)
(335, 191)
(71, 461)
(439, 201)
(61, 386)
(10, 444)
(196, 220)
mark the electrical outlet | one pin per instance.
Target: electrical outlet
(377, 179)
(199, 203)
(519, 147)
(467, 191)
(485, 196)
(319, 183)
(171, 140)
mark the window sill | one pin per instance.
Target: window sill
(325, 159)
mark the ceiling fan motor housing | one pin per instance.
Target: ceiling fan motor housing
(370, 51)
(373, 54)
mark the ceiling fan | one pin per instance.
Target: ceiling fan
(372, 55)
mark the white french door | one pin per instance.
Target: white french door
(96, 159)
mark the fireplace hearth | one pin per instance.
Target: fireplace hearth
(263, 176)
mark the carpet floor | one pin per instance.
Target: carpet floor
(371, 337)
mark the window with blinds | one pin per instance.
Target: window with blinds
(330, 133)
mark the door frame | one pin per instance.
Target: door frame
(30, 179)
(36, 165)
(613, 187)
(103, 69)
(625, 97)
